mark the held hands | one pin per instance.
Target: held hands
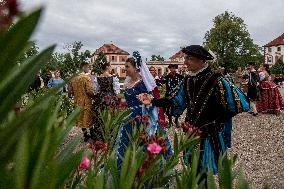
(144, 98)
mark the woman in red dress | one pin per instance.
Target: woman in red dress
(156, 95)
(270, 101)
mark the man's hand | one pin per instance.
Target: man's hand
(144, 98)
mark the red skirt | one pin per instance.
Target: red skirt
(270, 101)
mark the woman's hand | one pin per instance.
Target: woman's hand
(144, 98)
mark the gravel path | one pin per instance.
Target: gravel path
(258, 142)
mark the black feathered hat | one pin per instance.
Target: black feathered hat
(198, 52)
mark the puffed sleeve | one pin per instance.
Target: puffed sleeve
(115, 84)
(261, 76)
(176, 100)
(96, 86)
(231, 98)
(89, 87)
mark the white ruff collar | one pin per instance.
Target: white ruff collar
(199, 71)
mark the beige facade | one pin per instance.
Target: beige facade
(274, 50)
(117, 58)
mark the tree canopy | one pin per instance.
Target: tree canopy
(230, 40)
(157, 58)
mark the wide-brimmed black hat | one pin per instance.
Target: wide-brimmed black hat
(197, 51)
(173, 66)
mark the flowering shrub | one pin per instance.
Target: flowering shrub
(189, 129)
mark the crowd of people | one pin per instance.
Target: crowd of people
(210, 98)
(261, 88)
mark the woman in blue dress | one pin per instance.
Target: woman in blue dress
(139, 80)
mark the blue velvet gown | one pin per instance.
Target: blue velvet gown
(138, 109)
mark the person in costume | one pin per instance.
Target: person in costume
(156, 95)
(55, 81)
(81, 88)
(139, 80)
(106, 87)
(253, 88)
(239, 77)
(270, 101)
(172, 80)
(211, 102)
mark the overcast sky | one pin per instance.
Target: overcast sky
(149, 26)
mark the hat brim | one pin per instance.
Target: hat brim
(208, 56)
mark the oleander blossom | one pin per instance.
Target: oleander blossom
(85, 163)
(163, 123)
(8, 10)
(145, 119)
(154, 148)
(187, 128)
(122, 106)
(138, 118)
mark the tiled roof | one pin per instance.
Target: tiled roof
(111, 49)
(179, 54)
(276, 42)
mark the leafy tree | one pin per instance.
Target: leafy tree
(157, 58)
(32, 49)
(97, 65)
(230, 40)
(69, 63)
(278, 67)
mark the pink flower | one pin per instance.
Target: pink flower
(145, 119)
(90, 146)
(122, 106)
(163, 123)
(198, 132)
(138, 118)
(85, 163)
(100, 145)
(107, 100)
(154, 148)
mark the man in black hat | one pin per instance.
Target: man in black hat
(172, 80)
(211, 101)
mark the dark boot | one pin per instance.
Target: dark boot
(170, 122)
(177, 123)
(86, 135)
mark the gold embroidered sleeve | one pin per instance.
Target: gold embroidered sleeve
(222, 94)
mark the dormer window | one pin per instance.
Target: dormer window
(278, 48)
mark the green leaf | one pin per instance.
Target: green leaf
(11, 88)
(63, 169)
(70, 147)
(241, 182)
(13, 42)
(211, 181)
(22, 161)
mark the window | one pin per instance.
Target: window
(112, 58)
(269, 49)
(278, 48)
(270, 59)
(122, 59)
